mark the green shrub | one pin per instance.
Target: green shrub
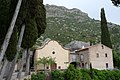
(57, 75)
(38, 76)
(72, 74)
(107, 74)
(85, 74)
(98, 75)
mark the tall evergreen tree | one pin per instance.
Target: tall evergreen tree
(33, 15)
(12, 16)
(105, 35)
(7, 8)
(11, 50)
(4, 19)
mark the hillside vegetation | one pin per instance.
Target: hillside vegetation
(66, 25)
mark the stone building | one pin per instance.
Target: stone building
(99, 55)
(79, 54)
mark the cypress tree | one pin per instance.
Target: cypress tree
(91, 72)
(105, 35)
(4, 19)
(40, 17)
(7, 8)
(11, 50)
(33, 15)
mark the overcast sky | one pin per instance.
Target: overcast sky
(92, 7)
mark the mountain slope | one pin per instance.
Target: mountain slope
(66, 25)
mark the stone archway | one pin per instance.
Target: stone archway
(83, 65)
(75, 64)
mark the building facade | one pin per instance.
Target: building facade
(55, 50)
(100, 56)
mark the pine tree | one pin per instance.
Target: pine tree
(105, 35)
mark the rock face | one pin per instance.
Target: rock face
(66, 25)
(60, 11)
(75, 45)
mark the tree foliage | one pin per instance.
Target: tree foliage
(11, 50)
(4, 19)
(116, 59)
(30, 34)
(105, 35)
(38, 76)
(46, 61)
(57, 75)
(7, 8)
(116, 2)
(72, 74)
(50, 60)
(33, 15)
(43, 61)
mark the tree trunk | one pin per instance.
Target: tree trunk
(21, 65)
(44, 68)
(6, 73)
(2, 72)
(17, 54)
(10, 30)
(27, 70)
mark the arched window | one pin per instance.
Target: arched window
(97, 55)
(81, 57)
(106, 65)
(102, 47)
(106, 55)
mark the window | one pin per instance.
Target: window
(59, 67)
(47, 67)
(97, 55)
(106, 55)
(106, 65)
(53, 52)
(102, 47)
(82, 65)
(81, 57)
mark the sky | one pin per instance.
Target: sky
(92, 7)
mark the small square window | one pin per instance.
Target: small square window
(81, 57)
(106, 65)
(106, 55)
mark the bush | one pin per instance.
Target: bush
(85, 74)
(72, 74)
(57, 75)
(107, 74)
(98, 75)
(38, 76)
